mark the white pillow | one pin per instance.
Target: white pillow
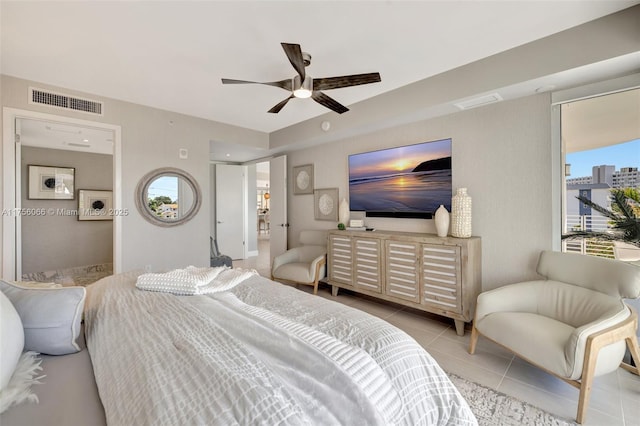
(12, 337)
(50, 316)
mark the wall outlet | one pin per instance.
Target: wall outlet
(147, 268)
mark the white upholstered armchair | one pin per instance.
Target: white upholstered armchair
(305, 264)
(572, 323)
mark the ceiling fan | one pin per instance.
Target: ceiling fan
(304, 86)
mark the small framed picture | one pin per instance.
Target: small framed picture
(95, 205)
(326, 204)
(51, 183)
(303, 179)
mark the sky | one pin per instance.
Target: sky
(396, 160)
(621, 155)
(164, 185)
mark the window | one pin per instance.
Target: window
(600, 139)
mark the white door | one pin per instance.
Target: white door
(230, 210)
(278, 206)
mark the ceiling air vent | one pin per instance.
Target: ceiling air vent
(479, 101)
(43, 97)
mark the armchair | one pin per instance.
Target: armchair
(305, 264)
(572, 324)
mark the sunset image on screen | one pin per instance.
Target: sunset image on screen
(407, 179)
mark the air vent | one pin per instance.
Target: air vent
(57, 100)
(479, 101)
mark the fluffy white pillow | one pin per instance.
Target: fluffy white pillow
(12, 337)
(50, 316)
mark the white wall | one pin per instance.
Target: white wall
(501, 153)
(151, 139)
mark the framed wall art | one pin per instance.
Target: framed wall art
(326, 204)
(95, 205)
(303, 179)
(51, 183)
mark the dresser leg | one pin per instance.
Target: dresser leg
(459, 327)
(334, 290)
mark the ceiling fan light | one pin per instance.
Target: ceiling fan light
(302, 90)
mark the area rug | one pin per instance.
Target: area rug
(495, 408)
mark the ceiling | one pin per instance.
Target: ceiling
(172, 54)
(601, 121)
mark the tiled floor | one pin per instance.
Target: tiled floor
(615, 398)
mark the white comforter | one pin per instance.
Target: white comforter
(260, 353)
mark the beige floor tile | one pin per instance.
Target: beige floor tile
(604, 396)
(524, 372)
(378, 309)
(558, 405)
(631, 410)
(405, 319)
(482, 344)
(467, 370)
(629, 383)
(459, 349)
(424, 337)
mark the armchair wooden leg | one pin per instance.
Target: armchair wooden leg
(473, 339)
(632, 344)
(586, 381)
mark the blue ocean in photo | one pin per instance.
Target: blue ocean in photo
(402, 192)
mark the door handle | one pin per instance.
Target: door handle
(219, 221)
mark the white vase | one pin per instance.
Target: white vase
(441, 218)
(343, 212)
(461, 214)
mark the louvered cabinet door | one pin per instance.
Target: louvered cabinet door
(441, 277)
(340, 259)
(368, 274)
(402, 278)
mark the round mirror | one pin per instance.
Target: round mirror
(168, 196)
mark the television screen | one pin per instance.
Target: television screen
(407, 181)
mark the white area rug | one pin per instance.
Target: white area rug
(495, 408)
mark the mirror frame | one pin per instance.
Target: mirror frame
(143, 187)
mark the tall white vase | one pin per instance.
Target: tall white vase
(441, 218)
(461, 214)
(343, 212)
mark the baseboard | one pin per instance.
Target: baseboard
(252, 253)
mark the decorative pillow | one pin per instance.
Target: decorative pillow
(50, 316)
(12, 340)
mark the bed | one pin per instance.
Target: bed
(257, 353)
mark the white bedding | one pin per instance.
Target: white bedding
(260, 353)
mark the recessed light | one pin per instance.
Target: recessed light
(228, 155)
(85, 140)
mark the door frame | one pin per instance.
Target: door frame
(10, 231)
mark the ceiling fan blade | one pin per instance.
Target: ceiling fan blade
(276, 109)
(284, 84)
(345, 81)
(329, 102)
(294, 53)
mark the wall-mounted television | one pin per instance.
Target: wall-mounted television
(406, 181)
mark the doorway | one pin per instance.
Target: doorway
(74, 144)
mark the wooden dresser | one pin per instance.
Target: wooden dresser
(423, 271)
